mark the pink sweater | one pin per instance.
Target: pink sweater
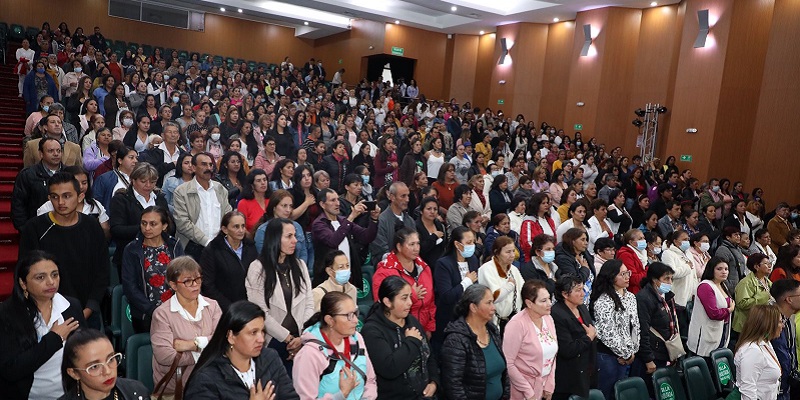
(169, 325)
(523, 353)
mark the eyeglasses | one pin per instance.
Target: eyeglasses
(625, 274)
(192, 281)
(96, 369)
(350, 316)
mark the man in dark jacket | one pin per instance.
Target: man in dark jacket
(332, 231)
(786, 293)
(30, 187)
(336, 165)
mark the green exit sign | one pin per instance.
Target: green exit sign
(686, 157)
(398, 51)
(501, 101)
(578, 127)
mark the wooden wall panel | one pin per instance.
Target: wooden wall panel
(428, 48)
(773, 161)
(465, 61)
(223, 36)
(619, 47)
(483, 72)
(585, 73)
(555, 81)
(656, 62)
(697, 87)
(350, 47)
(741, 86)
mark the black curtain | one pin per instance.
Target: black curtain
(401, 67)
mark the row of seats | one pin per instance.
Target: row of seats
(699, 381)
(17, 33)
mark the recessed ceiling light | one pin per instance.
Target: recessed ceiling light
(453, 8)
(481, 32)
(397, 22)
(305, 23)
(556, 20)
(239, 10)
(653, 4)
(222, 9)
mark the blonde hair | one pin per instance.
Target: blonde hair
(762, 322)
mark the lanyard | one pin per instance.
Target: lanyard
(346, 355)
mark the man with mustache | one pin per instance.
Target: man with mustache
(199, 207)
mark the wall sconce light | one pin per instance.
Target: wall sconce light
(503, 51)
(702, 35)
(587, 41)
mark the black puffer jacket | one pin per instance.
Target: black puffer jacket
(224, 273)
(463, 366)
(407, 365)
(652, 314)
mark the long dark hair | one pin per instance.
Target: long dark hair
(247, 189)
(329, 305)
(18, 314)
(269, 259)
(389, 289)
(88, 197)
(223, 166)
(604, 284)
(76, 340)
(239, 314)
(708, 273)
(456, 236)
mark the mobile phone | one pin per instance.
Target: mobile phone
(370, 205)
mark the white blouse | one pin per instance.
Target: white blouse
(758, 373)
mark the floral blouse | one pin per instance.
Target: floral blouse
(156, 260)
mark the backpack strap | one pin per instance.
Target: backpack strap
(335, 357)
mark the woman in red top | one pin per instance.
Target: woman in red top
(536, 222)
(446, 184)
(254, 199)
(404, 262)
(634, 256)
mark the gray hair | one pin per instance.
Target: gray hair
(472, 295)
(144, 170)
(172, 124)
(395, 187)
(320, 174)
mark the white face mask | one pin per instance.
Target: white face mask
(705, 247)
(215, 137)
(127, 122)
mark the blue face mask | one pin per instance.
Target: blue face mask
(365, 179)
(45, 108)
(78, 70)
(641, 244)
(469, 251)
(664, 288)
(549, 256)
(40, 70)
(684, 245)
(342, 276)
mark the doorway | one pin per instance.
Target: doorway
(385, 67)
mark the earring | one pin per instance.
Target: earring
(25, 293)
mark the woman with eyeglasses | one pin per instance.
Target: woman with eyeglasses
(397, 342)
(34, 322)
(89, 370)
(236, 363)
(181, 325)
(333, 362)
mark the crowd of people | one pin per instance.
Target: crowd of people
(246, 211)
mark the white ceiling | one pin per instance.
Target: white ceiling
(327, 17)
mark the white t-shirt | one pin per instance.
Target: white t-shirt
(47, 379)
(549, 343)
(88, 209)
(344, 246)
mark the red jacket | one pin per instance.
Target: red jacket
(529, 229)
(638, 272)
(423, 309)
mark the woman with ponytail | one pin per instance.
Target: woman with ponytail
(333, 362)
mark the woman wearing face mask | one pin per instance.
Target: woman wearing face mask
(338, 271)
(654, 248)
(454, 272)
(710, 327)
(699, 244)
(634, 256)
(656, 306)
(124, 125)
(542, 265)
(214, 144)
(685, 281)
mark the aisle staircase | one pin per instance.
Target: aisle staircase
(12, 122)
